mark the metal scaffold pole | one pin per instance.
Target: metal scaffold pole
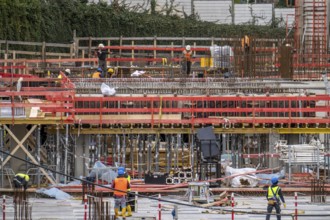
(1, 159)
(157, 153)
(192, 160)
(66, 152)
(99, 147)
(38, 152)
(57, 153)
(149, 159)
(124, 151)
(118, 148)
(113, 150)
(131, 152)
(139, 155)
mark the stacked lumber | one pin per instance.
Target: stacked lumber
(222, 200)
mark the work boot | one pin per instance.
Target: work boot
(116, 213)
(129, 211)
(123, 212)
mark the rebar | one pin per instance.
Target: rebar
(318, 194)
(22, 207)
(189, 86)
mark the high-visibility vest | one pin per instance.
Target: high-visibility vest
(129, 181)
(276, 189)
(245, 41)
(23, 176)
(96, 75)
(121, 184)
(187, 55)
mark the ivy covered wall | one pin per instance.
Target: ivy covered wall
(55, 21)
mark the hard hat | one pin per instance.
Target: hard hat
(110, 70)
(121, 172)
(67, 71)
(121, 168)
(274, 180)
(188, 47)
(101, 45)
(99, 69)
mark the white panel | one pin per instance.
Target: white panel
(180, 5)
(286, 14)
(214, 11)
(262, 13)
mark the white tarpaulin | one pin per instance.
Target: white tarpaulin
(107, 90)
(249, 180)
(54, 193)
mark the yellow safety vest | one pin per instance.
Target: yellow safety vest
(24, 176)
(129, 181)
(275, 189)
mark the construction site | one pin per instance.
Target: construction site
(201, 146)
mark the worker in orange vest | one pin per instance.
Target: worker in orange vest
(97, 74)
(187, 54)
(120, 186)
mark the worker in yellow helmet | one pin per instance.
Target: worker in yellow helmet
(21, 180)
(111, 72)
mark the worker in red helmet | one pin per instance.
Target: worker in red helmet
(274, 197)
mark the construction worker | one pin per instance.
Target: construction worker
(98, 73)
(21, 180)
(102, 56)
(274, 195)
(67, 72)
(187, 54)
(111, 72)
(130, 197)
(245, 43)
(120, 186)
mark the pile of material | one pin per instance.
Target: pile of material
(183, 176)
(244, 180)
(311, 153)
(222, 200)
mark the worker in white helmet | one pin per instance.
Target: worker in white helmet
(187, 54)
(102, 57)
(67, 72)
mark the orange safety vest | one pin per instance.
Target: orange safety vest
(187, 55)
(122, 184)
(96, 75)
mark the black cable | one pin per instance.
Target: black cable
(149, 197)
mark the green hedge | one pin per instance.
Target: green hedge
(55, 20)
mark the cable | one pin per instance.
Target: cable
(149, 197)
